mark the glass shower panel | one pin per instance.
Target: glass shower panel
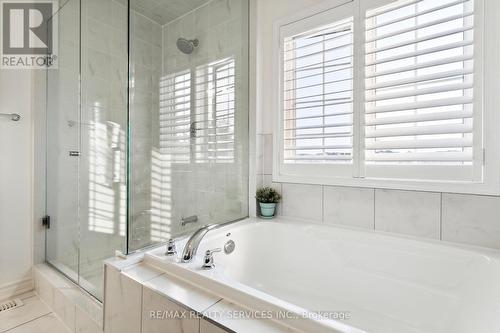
(188, 116)
(86, 140)
(103, 187)
(62, 250)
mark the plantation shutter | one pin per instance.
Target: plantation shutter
(419, 84)
(317, 95)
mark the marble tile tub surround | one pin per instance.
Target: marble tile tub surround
(134, 290)
(460, 218)
(80, 312)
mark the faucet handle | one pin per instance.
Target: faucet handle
(211, 252)
(171, 250)
(208, 260)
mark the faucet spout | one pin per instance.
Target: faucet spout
(194, 242)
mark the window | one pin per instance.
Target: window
(388, 95)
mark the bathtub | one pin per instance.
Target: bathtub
(318, 278)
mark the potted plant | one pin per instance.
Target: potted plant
(267, 197)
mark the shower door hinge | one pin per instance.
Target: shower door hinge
(46, 221)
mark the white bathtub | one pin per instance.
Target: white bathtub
(386, 284)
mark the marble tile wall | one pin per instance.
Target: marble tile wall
(162, 192)
(460, 218)
(219, 189)
(146, 66)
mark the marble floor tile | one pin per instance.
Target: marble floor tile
(45, 324)
(33, 308)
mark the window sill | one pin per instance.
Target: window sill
(461, 187)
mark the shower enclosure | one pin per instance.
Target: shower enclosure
(147, 127)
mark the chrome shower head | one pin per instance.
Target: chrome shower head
(187, 46)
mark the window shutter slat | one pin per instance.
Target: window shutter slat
(419, 92)
(419, 83)
(419, 105)
(420, 78)
(426, 64)
(413, 15)
(426, 51)
(411, 144)
(421, 39)
(420, 117)
(420, 26)
(317, 102)
(422, 157)
(419, 130)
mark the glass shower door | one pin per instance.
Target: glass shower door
(86, 141)
(62, 151)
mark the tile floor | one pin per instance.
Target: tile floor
(33, 317)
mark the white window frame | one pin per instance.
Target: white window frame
(487, 99)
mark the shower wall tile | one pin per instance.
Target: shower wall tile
(118, 72)
(146, 58)
(214, 191)
(142, 28)
(119, 15)
(142, 53)
(156, 35)
(97, 64)
(118, 44)
(70, 33)
(97, 9)
(98, 36)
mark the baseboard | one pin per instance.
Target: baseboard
(16, 288)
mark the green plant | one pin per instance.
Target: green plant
(267, 195)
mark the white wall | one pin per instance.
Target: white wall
(470, 219)
(15, 183)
